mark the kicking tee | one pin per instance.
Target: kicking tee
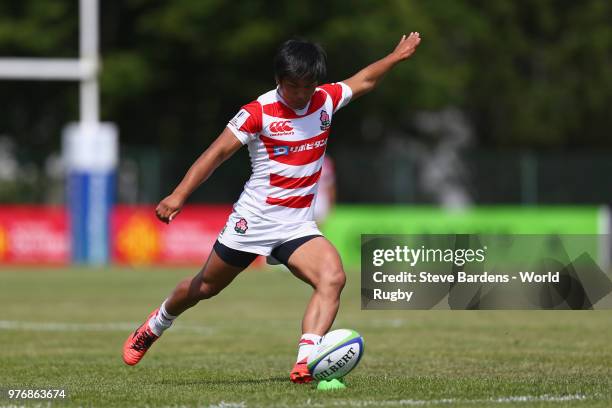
(287, 148)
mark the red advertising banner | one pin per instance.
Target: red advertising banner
(139, 238)
(40, 235)
(34, 235)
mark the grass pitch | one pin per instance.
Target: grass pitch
(65, 329)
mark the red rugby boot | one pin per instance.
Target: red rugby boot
(300, 373)
(139, 342)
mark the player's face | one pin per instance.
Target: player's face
(297, 92)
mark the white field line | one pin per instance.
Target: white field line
(445, 401)
(19, 404)
(387, 403)
(86, 327)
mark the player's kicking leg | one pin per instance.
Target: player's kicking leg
(317, 263)
(222, 266)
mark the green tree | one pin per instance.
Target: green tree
(528, 74)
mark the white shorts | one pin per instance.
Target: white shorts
(251, 233)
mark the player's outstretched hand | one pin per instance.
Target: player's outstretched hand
(407, 46)
(168, 208)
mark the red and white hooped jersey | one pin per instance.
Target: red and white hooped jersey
(287, 148)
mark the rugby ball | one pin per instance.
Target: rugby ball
(336, 355)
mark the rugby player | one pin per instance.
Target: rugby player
(286, 131)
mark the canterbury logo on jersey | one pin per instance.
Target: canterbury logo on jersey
(283, 127)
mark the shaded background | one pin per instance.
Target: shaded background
(504, 102)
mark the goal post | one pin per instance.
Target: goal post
(89, 148)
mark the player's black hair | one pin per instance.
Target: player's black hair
(300, 59)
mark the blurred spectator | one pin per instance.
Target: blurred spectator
(326, 196)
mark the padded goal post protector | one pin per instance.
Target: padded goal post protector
(91, 153)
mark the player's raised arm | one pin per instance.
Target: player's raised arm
(367, 79)
(220, 150)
